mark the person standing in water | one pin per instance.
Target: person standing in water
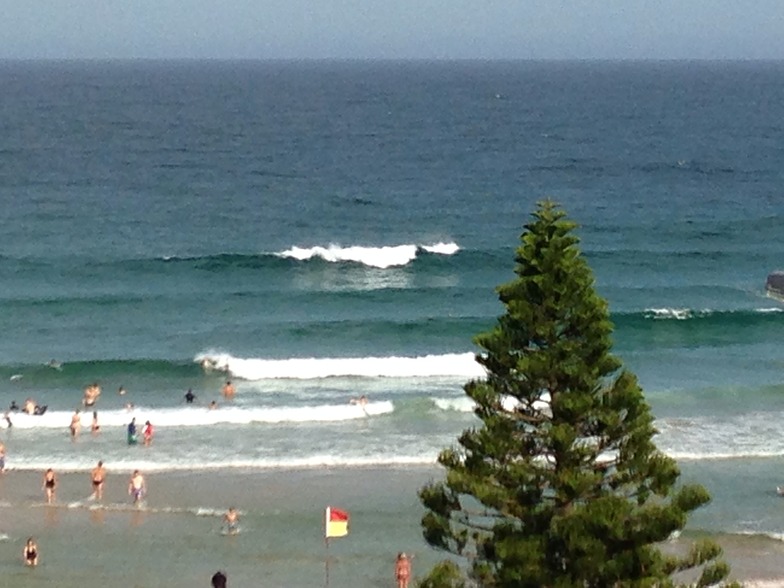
(50, 483)
(132, 432)
(147, 433)
(30, 553)
(76, 424)
(98, 477)
(137, 487)
(402, 570)
(189, 396)
(232, 520)
(228, 390)
(95, 427)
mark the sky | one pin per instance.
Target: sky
(392, 29)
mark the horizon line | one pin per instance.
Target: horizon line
(397, 59)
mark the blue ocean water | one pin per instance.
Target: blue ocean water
(322, 230)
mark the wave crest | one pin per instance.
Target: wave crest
(253, 369)
(379, 257)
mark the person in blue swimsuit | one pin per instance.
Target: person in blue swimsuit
(132, 438)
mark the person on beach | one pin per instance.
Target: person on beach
(190, 396)
(136, 487)
(132, 439)
(228, 389)
(402, 570)
(147, 433)
(218, 580)
(50, 483)
(30, 553)
(98, 477)
(76, 424)
(232, 520)
(2, 458)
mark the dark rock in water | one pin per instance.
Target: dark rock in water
(775, 284)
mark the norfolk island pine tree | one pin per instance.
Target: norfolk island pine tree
(561, 485)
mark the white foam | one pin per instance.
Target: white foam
(253, 369)
(195, 416)
(462, 404)
(670, 313)
(380, 257)
(509, 403)
(712, 437)
(442, 248)
(122, 464)
(687, 313)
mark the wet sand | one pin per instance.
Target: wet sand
(178, 535)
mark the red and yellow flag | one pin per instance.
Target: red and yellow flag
(336, 522)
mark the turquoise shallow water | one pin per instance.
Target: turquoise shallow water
(318, 231)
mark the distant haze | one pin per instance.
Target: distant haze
(393, 29)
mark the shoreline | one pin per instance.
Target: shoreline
(382, 501)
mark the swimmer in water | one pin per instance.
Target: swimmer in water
(190, 396)
(91, 394)
(228, 389)
(361, 401)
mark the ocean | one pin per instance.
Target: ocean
(317, 231)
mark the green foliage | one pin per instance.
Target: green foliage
(444, 575)
(561, 485)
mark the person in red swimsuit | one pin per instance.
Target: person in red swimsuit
(147, 433)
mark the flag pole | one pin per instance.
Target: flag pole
(326, 545)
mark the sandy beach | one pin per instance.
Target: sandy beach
(177, 538)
